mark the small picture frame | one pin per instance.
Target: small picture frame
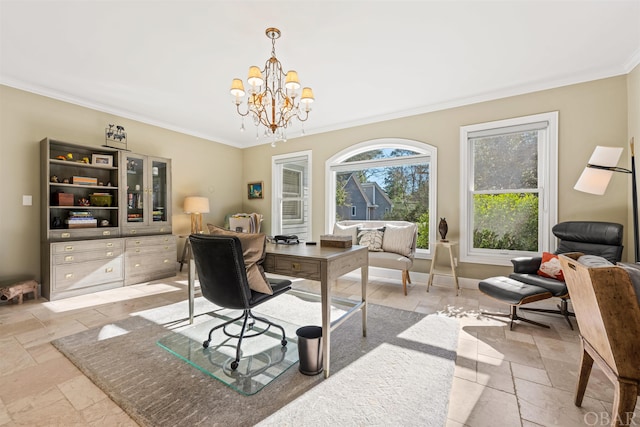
(254, 190)
(103, 160)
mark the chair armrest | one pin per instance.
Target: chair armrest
(529, 265)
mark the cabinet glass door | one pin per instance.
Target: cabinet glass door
(159, 190)
(135, 189)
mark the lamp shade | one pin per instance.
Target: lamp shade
(307, 95)
(291, 80)
(594, 180)
(237, 88)
(255, 76)
(194, 204)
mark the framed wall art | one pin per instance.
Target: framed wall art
(254, 190)
(104, 160)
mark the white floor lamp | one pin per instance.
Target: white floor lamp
(596, 176)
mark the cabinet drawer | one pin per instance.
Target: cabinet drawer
(87, 233)
(136, 265)
(162, 240)
(144, 230)
(88, 245)
(156, 249)
(85, 274)
(82, 256)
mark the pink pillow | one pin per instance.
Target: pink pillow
(550, 267)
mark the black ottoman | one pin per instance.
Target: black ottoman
(513, 293)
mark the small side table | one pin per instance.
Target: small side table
(450, 245)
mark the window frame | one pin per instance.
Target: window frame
(277, 164)
(337, 160)
(547, 189)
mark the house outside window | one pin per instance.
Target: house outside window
(508, 188)
(385, 179)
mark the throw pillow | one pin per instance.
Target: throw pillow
(398, 239)
(371, 238)
(550, 267)
(594, 261)
(347, 230)
(253, 246)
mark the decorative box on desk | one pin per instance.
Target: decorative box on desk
(335, 241)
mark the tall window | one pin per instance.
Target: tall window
(291, 195)
(384, 179)
(509, 188)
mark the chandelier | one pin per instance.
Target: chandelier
(272, 100)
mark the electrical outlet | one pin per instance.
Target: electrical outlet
(27, 200)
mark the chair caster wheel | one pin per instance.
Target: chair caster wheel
(234, 365)
(284, 343)
(205, 344)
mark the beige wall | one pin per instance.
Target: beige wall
(633, 113)
(602, 112)
(200, 167)
(590, 114)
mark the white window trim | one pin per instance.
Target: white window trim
(276, 193)
(381, 143)
(547, 187)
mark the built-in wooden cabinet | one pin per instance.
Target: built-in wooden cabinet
(147, 196)
(106, 219)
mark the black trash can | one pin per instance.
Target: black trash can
(310, 349)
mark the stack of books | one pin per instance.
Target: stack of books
(81, 219)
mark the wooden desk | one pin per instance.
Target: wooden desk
(318, 263)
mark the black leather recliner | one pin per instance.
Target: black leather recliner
(591, 238)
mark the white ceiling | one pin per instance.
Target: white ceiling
(170, 63)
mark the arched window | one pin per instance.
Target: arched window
(384, 179)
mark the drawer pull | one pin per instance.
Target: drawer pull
(166, 247)
(68, 275)
(134, 231)
(109, 245)
(166, 261)
(295, 266)
(108, 270)
(106, 233)
(68, 258)
(162, 229)
(137, 265)
(65, 235)
(68, 248)
(137, 242)
(109, 253)
(137, 250)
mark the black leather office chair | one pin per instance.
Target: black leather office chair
(223, 281)
(588, 237)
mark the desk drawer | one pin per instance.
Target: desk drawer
(293, 267)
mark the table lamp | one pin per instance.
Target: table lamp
(196, 206)
(596, 176)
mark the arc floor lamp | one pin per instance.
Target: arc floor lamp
(596, 176)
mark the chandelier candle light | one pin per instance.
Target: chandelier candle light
(273, 99)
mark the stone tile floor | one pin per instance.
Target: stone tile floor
(521, 377)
